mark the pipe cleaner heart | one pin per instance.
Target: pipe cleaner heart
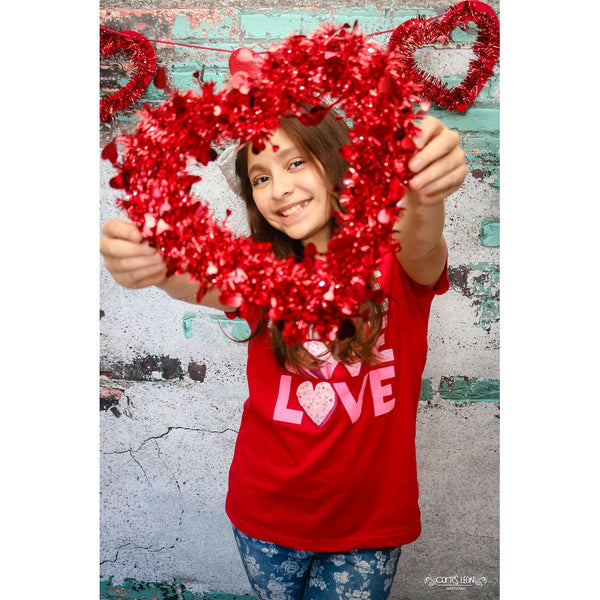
(369, 86)
(415, 33)
(141, 52)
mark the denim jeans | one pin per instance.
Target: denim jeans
(280, 573)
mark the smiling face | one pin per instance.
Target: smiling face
(290, 191)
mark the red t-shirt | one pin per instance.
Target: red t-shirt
(328, 464)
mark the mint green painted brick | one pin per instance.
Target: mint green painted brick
(490, 234)
(401, 14)
(372, 19)
(488, 312)
(482, 153)
(485, 289)
(480, 145)
(275, 26)
(183, 75)
(218, 32)
(188, 319)
(480, 283)
(467, 389)
(141, 590)
(461, 35)
(475, 119)
(492, 269)
(240, 330)
(426, 391)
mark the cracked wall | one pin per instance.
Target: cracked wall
(172, 380)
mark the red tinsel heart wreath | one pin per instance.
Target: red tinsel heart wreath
(141, 52)
(415, 33)
(372, 90)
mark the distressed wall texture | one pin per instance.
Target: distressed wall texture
(172, 379)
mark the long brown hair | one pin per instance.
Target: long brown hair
(320, 144)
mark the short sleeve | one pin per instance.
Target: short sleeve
(443, 283)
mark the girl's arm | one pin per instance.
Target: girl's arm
(134, 264)
(439, 169)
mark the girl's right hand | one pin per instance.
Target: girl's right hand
(131, 262)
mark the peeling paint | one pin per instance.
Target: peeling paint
(196, 371)
(237, 329)
(109, 400)
(145, 368)
(426, 391)
(490, 234)
(469, 389)
(461, 389)
(188, 319)
(480, 283)
(199, 19)
(132, 589)
(211, 25)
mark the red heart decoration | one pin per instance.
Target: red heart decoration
(246, 60)
(141, 52)
(415, 33)
(369, 86)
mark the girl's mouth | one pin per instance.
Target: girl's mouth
(293, 209)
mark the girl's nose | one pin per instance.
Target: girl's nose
(282, 185)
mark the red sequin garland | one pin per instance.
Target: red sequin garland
(336, 65)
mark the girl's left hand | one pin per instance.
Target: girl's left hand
(438, 164)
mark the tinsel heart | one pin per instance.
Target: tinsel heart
(141, 53)
(415, 33)
(338, 64)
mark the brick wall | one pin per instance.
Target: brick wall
(172, 385)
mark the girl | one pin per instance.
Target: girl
(323, 484)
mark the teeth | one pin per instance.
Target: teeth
(293, 210)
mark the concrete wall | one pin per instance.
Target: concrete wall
(172, 383)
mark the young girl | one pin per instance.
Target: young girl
(323, 484)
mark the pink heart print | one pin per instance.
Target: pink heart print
(318, 403)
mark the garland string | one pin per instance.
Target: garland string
(170, 43)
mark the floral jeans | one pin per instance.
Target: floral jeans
(279, 573)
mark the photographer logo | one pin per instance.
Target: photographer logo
(455, 582)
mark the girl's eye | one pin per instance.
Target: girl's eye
(297, 163)
(259, 180)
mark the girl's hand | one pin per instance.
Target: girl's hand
(131, 263)
(438, 164)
